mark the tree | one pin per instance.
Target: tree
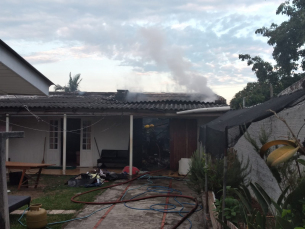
(254, 93)
(72, 86)
(288, 41)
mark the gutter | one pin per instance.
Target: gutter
(205, 110)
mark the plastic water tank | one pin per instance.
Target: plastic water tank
(184, 166)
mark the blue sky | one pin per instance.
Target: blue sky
(152, 46)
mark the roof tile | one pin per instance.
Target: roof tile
(106, 100)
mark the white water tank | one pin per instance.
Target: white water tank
(184, 166)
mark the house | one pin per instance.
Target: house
(104, 120)
(17, 77)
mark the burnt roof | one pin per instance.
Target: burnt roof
(167, 102)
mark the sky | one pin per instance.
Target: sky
(141, 45)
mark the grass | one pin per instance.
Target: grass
(53, 194)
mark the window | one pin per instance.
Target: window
(86, 134)
(53, 134)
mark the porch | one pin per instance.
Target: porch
(76, 171)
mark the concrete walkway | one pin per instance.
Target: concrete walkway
(119, 217)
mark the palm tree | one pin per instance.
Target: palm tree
(73, 84)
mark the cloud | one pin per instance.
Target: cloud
(55, 55)
(185, 41)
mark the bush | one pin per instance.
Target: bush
(236, 173)
(197, 172)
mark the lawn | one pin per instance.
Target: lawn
(53, 194)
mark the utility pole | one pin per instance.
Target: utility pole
(271, 91)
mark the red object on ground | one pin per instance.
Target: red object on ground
(135, 170)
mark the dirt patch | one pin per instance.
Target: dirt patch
(34, 193)
(45, 183)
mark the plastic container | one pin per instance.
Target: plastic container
(36, 217)
(184, 166)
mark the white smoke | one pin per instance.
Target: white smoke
(171, 58)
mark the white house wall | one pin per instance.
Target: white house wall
(31, 147)
(260, 173)
(110, 133)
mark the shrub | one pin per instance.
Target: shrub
(236, 173)
(197, 172)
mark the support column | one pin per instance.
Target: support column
(64, 149)
(131, 145)
(225, 168)
(7, 129)
(4, 214)
(206, 181)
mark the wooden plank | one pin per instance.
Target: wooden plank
(183, 140)
(24, 165)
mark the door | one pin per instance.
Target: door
(73, 141)
(183, 140)
(137, 142)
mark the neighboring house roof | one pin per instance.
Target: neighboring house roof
(166, 102)
(292, 88)
(18, 77)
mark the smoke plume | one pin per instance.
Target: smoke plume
(169, 57)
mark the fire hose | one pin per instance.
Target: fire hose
(138, 199)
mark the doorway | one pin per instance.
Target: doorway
(183, 140)
(73, 141)
(155, 138)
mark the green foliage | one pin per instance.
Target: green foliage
(197, 172)
(264, 136)
(53, 194)
(254, 93)
(232, 209)
(236, 173)
(288, 38)
(289, 174)
(288, 41)
(290, 209)
(73, 84)
(302, 161)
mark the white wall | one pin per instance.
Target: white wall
(31, 147)
(110, 133)
(260, 173)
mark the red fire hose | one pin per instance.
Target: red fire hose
(137, 199)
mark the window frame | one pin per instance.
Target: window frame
(86, 135)
(53, 134)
